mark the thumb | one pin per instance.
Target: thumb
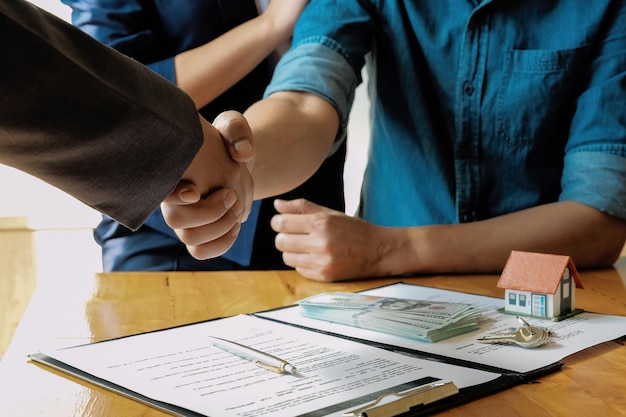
(185, 193)
(298, 206)
(236, 134)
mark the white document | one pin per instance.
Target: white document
(180, 366)
(573, 334)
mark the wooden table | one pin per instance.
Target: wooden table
(83, 309)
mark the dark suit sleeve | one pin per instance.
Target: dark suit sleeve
(87, 119)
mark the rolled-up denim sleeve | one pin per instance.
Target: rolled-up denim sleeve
(318, 67)
(597, 179)
(595, 163)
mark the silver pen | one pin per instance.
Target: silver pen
(260, 359)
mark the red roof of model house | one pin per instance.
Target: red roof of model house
(536, 272)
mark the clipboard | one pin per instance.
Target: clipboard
(426, 398)
(405, 401)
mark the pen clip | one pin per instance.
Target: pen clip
(406, 400)
(269, 367)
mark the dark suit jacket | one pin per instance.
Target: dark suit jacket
(87, 119)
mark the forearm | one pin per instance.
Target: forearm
(293, 133)
(590, 237)
(209, 70)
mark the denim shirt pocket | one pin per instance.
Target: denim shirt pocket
(536, 98)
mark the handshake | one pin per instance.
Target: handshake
(216, 191)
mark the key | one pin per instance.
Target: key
(522, 337)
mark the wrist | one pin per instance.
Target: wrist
(394, 252)
(274, 29)
(413, 250)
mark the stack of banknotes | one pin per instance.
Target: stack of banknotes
(424, 320)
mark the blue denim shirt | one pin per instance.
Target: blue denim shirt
(479, 108)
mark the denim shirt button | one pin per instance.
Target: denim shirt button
(468, 89)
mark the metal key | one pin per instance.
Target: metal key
(532, 328)
(526, 338)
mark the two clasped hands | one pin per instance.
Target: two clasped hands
(216, 192)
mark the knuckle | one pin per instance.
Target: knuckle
(279, 242)
(322, 221)
(187, 236)
(208, 250)
(302, 203)
(173, 218)
(277, 223)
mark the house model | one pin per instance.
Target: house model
(540, 285)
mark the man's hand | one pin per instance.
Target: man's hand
(215, 194)
(328, 245)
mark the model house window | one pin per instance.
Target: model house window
(512, 298)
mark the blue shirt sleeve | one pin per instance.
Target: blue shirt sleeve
(595, 155)
(322, 71)
(596, 179)
(326, 59)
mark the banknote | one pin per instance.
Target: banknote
(423, 320)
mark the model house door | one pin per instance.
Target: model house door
(566, 292)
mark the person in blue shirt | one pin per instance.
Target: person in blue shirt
(496, 125)
(112, 153)
(222, 53)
